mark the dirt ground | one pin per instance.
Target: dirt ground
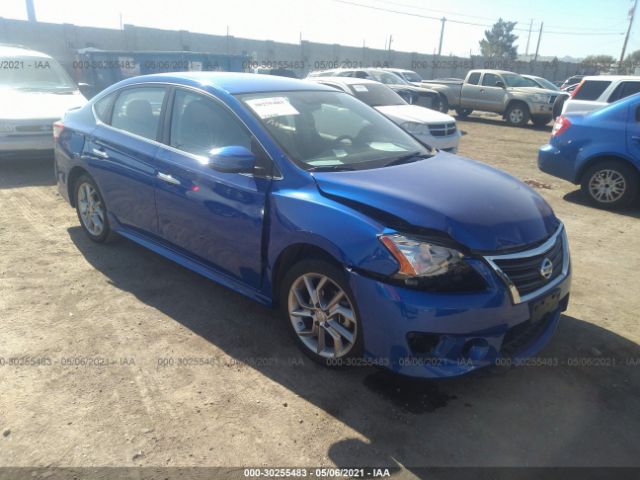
(114, 356)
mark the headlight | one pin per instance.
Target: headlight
(415, 128)
(431, 267)
(540, 98)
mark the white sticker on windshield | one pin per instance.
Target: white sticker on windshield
(272, 107)
(316, 163)
(387, 147)
(360, 88)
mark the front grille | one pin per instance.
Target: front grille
(442, 129)
(524, 272)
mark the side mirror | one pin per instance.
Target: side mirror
(232, 159)
(500, 84)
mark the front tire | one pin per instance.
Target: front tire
(610, 184)
(517, 114)
(321, 313)
(463, 112)
(91, 210)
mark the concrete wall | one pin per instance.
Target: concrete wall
(62, 40)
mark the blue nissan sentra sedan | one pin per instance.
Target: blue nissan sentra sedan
(377, 249)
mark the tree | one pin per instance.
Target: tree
(602, 62)
(632, 62)
(498, 41)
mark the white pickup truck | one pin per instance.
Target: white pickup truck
(498, 91)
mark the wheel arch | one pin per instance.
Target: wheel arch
(603, 157)
(513, 102)
(291, 255)
(73, 176)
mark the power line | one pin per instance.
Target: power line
(462, 22)
(604, 30)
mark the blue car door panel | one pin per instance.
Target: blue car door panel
(215, 216)
(123, 156)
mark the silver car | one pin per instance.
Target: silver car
(35, 91)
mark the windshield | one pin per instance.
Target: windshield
(513, 80)
(544, 83)
(412, 77)
(388, 78)
(33, 73)
(376, 95)
(331, 130)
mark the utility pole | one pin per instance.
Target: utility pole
(31, 11)
(632, 14)
(443, 20)
(390, 40)
(535, 59)
(526, 51)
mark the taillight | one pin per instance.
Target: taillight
(561, 124)
(57, 129)
(575, 90)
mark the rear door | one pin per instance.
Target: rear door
(121, 152)
(215, 217)
(633, 131)
(470, 92)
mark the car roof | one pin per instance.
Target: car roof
(395, 70)
(20, 51)
(612, 78)
(345, 80)
(230, 82)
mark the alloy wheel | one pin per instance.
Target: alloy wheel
(90, 209)
(607, 186)
(322, 315)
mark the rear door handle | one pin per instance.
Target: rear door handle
(100, 153)
(636, 138)
(165, 177)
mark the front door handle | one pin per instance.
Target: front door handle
(635, 138)
(100, 153)
(165, 177)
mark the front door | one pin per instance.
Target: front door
(214, 216)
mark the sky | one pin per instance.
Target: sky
(574, 28)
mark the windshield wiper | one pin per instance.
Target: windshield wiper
(330, 168)
(408, 158)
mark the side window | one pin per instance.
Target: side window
(199, 124)
(474, 78)
(490, 80)
(103, 108)
(137, 110)
(591, 89)
(625, 89)
(361, 74)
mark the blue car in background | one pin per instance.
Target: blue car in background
(600, 151)
(377, 249)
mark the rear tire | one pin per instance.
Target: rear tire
(517, 114)
(610, 184)
(541, 122)
(91, 210)
(463, 112)
(444, 104)
(320, 310)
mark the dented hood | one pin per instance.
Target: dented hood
(476, 205)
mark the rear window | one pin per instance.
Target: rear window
(625, 89)
(474, 78)
(591, 89)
